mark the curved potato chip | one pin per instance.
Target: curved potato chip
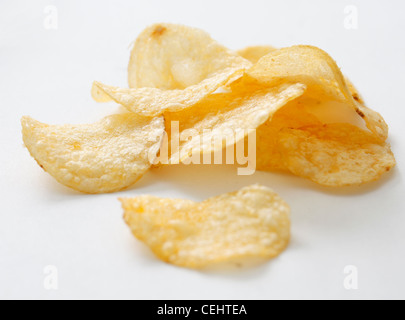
(152, 102)
(255, 53)
(315, 68)
(335, 155)
(304, 112)
(173, 67)
(304, 64)
(226, 116)
(107, 156)
(251, 223)
(169, 56)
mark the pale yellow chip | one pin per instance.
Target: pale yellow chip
(320, 73)
(251, 223)
(255, 53)
(224, 119)
(304, 112)
(152, 102)
(107, 156)
(335, 155)
(172, 68)
(170, 56)
(304, 64)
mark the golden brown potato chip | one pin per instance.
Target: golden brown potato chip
(107, 156)
(255, 53)
(251, 223)
(335, 155)
(169, 57)
(226, 115)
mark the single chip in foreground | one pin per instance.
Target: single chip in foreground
(107, 156)
(251, 223)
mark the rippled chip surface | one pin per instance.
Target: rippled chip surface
(335, 154)
(251, 223)
(107, 156)
(153, 102)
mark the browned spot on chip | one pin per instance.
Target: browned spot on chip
(360, 113)
(159, 30)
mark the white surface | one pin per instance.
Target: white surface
(48, 74)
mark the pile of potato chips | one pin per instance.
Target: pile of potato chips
(309, 119)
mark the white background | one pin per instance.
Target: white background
(48, 74)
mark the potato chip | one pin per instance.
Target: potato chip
(173, 67)
(254, 54)
(304, 64)
(107, 156)
(226, 114)
(251, 223)
(316, 69)
(169, 57)
(303, 112)
(335, 155)
(152, 102)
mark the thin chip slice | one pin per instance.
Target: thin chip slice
(316, 69)
(335, 155)
(255, 53)
(304, 112)
(170, 56)
(224, 119)
(172, 68)
(107, 156)
(304, 64)
(251, 223)
(152, 102)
